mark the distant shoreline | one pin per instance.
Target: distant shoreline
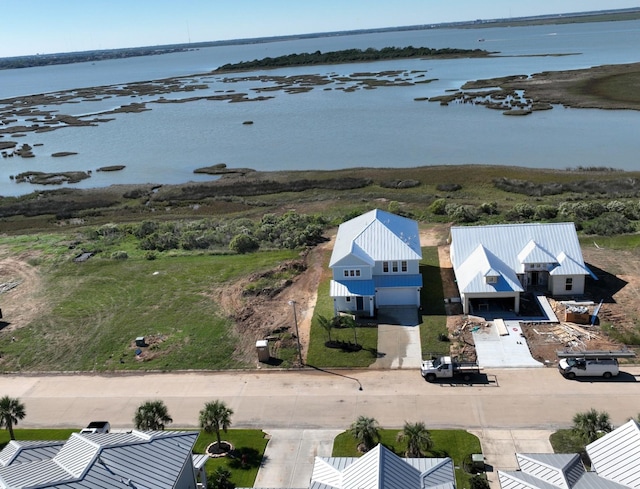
(34, 60)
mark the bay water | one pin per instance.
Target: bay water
(329, 127)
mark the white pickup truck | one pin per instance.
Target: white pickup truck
(97, 427)
(446, 368)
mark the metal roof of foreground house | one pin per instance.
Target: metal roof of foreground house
(506, 248)
(616, 456)
(377, 235)
(615, 460)
(106, 460)
(381, 468)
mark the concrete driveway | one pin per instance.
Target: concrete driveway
(290, 454)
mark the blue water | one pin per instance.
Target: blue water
(331, 129)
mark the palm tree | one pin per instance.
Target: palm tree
(152, 415)
(327, 325)
(215, 416)
(349, 322)
(221, 479)
(11, 410)
(418, 439)
(591, 425)
(366, 431)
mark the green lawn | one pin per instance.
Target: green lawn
(457, 444)
(99, 307)
(250, 443)
(434, 319)
(321, 356)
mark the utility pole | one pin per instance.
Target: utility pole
(295, 320)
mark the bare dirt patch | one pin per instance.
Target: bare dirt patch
(24, 301)
(268, 314)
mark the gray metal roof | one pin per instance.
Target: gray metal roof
(375, 236)
(560, 470)
(104, 461)
(27, 451)
(511, 246)
(616, 456)
(381, 468)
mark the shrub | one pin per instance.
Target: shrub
(448, 187)
(439, 207)
(150, 255)
(545, 212)
(243, 243)
(609, 224)
(119, 255)
(490, 208)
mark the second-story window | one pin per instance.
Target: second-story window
(395, 267)
(404, 266)
(385, 266)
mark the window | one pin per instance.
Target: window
(346, 273)
(404, 266)
(395, 267)
(568, 284)
(492, 279)
(352, 273)
(385, 266)
(357, 273)
(348, 299)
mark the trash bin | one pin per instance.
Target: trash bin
(262, 347)
(477, 461)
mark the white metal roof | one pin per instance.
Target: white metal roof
(27, 451)
(380, 468)
(376, 236)
(615, 460)
(480, 264)
(616, 456)
(104, 461)
(477, 249)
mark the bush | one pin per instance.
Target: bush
(609, 224)
(490, 208)
(243, 243)
(150, 255)
(545, 212)
(119, 255)
(439, 207)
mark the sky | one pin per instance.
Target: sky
(54, 26)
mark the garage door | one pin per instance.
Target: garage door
(399, 296)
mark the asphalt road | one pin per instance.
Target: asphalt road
(312, 399)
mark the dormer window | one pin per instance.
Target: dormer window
(492, 279)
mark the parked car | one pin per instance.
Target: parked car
(97, 427)
(589, 367)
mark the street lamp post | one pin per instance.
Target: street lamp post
(295, 320)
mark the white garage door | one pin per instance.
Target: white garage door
(399, 296)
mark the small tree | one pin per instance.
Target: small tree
(349, 322)
(11, 411)
(221, 479)
(243, 243)
(479, 482)
(366, 431)
(152, 415)
(591, 425)
(417, 437)
(214, 417)
(327, 325)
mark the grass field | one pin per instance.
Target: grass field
(96, 310)
(434, 319)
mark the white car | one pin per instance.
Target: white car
(591, 367)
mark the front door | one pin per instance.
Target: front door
(359, 303)
(534, 278)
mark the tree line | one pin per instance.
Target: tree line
(350, 56)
